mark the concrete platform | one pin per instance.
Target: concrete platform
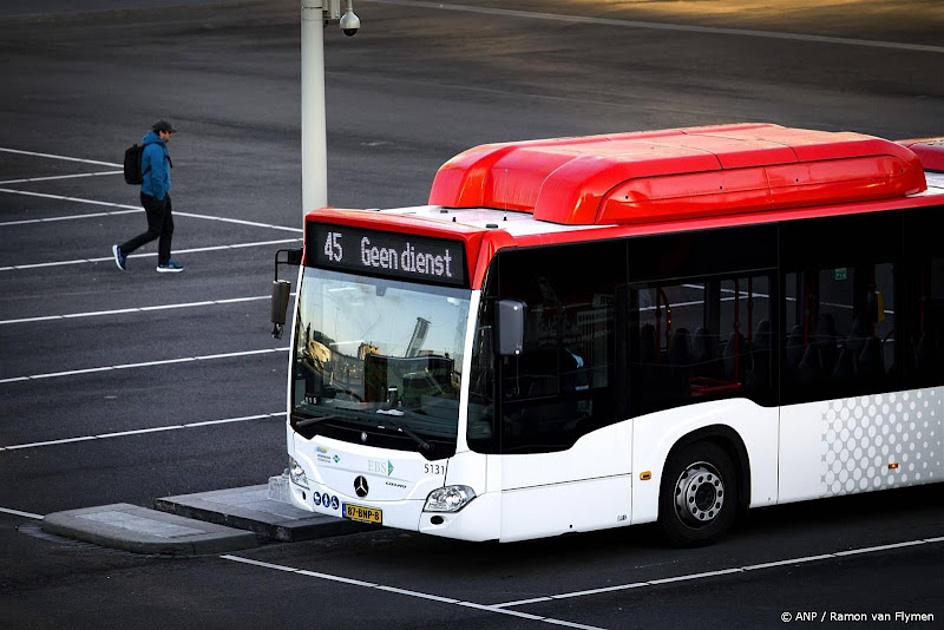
(250, 508)
(138, 529)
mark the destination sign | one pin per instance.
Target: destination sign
(391, 254)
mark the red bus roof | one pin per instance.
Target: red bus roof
(572, 190)
(929, 150)
(659, 176)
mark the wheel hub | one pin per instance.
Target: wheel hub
(699, 494)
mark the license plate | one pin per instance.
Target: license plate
(363, 514)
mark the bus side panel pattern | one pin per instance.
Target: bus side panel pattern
(860, 444)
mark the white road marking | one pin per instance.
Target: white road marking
(695, 576)
(70, 217)
(406, 592)
(780, 563)
(126, 366)
(192, 250)
(522, 602)
(115, 434)
(59, 157)
(854, 552)
(663, 26)
(21, 513)
(708, 574)
(26, 180)
(177, 213)
(137, 309)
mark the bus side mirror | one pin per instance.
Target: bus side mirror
(281, 290)
(280, 296)
(511, 327)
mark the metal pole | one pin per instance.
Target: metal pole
(314, 137)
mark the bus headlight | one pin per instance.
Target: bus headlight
(297, 474)
(448, 499)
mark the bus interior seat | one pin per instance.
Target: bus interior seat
(826, 340)
(734, 366)
(680, 350)
(705, 354)
(647, 344)
(760, 355)
(810, 369)
(794, 352)
(871, 360)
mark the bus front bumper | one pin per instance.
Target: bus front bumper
(478, 520)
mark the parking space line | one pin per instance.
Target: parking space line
(58, 157)
(177, 213)
(68, 373)
(854, 552)
(406, 592)
(336, 578)
(227, 355)
(68, 217)
(38, 517)
(665, 26)
(116, 434)
(781, 563)
(192, 250)
(71, 440)
(708, 574)
(522, 602)
(517, 613)
(695, 576)
(126, 366)
(207, 423)
(136, 309)
(27, 180)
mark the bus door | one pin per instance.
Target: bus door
(565, 456)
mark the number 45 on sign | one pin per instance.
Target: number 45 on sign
(332, 248)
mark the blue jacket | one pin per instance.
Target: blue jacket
(155, 166)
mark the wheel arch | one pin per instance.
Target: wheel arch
(731, 442)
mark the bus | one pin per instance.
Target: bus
(592, 332)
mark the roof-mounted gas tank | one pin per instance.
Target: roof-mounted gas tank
(632, 178)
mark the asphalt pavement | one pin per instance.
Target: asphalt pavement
(123, 387)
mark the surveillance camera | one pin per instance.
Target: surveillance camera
(350, 23)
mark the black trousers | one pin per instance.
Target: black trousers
(160, 225)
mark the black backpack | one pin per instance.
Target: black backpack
(133, 165)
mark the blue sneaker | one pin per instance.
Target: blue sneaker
(120, 258)
(171, 266)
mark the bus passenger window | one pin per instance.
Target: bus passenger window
(840, 332)
(702, 339)
(927, 342)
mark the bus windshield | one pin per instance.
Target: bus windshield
(378, 357)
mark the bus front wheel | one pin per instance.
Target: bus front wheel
(698, 498)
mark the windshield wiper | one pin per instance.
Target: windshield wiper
(307, 422)
(402, 428)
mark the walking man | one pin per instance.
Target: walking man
(155, 197)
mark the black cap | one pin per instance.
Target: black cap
(163, 125)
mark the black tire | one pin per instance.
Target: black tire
(700, 507)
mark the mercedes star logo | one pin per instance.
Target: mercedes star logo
(360, 486)
(363, 436)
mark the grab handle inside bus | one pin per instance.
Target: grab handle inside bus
(511, 327)
(281, 290)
